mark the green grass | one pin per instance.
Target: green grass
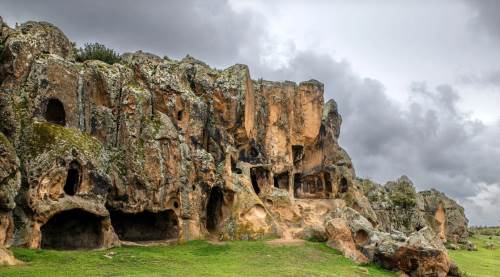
(196, 258)
(481, 263)
(237, 258)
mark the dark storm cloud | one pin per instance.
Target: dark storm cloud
(487, 15)
(428, 138)
(208, 30)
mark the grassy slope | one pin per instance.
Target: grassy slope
(238, 258)
(481, 263)
(196, 258)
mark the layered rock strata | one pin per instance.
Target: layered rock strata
(154, 149)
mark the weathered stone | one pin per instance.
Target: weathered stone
(152, 149)
(422, 254)
(399, 207)
(340, 238)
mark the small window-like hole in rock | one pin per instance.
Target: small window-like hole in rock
(269, 202)
(328, 183)
(281, 180)
(176, 204)
(234, 168)
(180, 114)
(297, 153)
(73, 178)
(73, 229)
(361, 237)
(145, 226)
(193, 187)
(214, 209)
(343, 185)
(54, 112)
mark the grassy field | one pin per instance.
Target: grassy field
(481, 263)
(196, 258)
(238, 258)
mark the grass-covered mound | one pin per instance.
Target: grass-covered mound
(196, 258)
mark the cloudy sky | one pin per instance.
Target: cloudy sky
(417, 81)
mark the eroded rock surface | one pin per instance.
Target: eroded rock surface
(153, 149)
(399, 207)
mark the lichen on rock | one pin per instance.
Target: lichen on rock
(158, 149)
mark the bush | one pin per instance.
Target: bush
(97, 51)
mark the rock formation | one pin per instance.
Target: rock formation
(399, 207)
(153, 149)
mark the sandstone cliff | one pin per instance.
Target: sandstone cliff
(151, 149)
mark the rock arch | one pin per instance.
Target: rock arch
(72, 229)
(145, 226)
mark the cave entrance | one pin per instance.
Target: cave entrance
(73, 229)
(344, 187)
(73, 178)
(328, 184)
(145, 226)
(281, 180)
(297, 154)
(297, 184)
(260, 178)
(54, 112)
(214, 208)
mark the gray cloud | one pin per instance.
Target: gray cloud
(210, 30)
(427, 138)
(487, 15)
(480, 79)
(431, 141)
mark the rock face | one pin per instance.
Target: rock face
(399, 207)
(151, 149)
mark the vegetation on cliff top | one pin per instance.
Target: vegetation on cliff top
(97, 51)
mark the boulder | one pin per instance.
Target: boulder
(422, 254)
(399, 207)
(340, 238)
(7, 258)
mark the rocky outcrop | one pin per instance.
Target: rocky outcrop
(154, 149)
(399, 207)
(421, 253)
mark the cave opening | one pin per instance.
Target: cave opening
(234, 167)
(344, 187)
(145, 226)
(255, 183)
(297, 154)
(328, 184)
(180, 114)
(54, 112)
(297, 184)
(72, 229)
(259, 177)
(281, 180)
(73, 178)
(214, 209)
